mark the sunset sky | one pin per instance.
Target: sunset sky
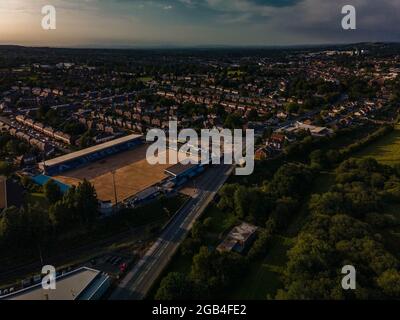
(138, 23)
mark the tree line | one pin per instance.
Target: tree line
(352, 224)
(32, 226)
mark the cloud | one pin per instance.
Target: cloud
(190, 22)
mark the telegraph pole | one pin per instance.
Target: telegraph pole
(115, 189)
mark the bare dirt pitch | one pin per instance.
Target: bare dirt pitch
(133, 174)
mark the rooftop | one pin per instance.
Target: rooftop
(79, 284)
(90, 150)
(238, 238)
(180, 168)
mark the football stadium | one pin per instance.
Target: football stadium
(117, 169)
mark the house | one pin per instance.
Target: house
(26, 159)
(239, 239)
(276, 141)
(261, 154)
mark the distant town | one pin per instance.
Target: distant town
(74, 173)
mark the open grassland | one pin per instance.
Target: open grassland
(263, 278)
(386, 150)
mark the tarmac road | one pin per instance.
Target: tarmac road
(138, 282)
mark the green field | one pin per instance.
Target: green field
(145, 79)
(236, 73)
(263, 278)
(386, 150)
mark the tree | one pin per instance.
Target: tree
(5, 168)
(52, 191)
(36, 223)
(260, 247)
(333, 156)
(240, 200)
(62, 214)
(252, 204)
(226, 195)
(12, 147)
(285, 209)
(389, 281)
(79, 205)
(329, 203)
(252, 115)
(24, 229)
(290, 180)
(219, 111)
(190, 246)
(9, 224)
(202, 267)
(213, 271)
(292, 107)
(318, 159)
(233, 121)
(175, 286)
(86, 201)
(86, 139)
(198, 230)
(74, 128)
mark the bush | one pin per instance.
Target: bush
(5, 168)
(52, 191)
(262, 244)
(175, 286)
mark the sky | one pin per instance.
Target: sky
(148, 23)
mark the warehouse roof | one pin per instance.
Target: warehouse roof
(76, 285)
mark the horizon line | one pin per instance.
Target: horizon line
(200, 46)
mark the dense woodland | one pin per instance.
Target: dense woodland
(349, 225)
(24, 230)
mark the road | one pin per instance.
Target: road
(138, 282)
(73, 255)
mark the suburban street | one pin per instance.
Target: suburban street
(137, 283)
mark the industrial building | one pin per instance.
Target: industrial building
(83, 157)
(80, 284)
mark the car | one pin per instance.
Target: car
(110, 259)
(114, 261)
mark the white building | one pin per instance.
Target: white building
(80, 284)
